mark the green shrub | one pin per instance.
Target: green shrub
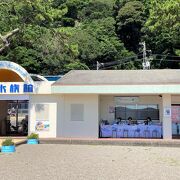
(33, 136)
(8, 142)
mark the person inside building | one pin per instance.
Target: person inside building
(24, 124)
(8, 125)
(119, 120)
(129, 120)
(148, 121)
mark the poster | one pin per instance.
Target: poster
(176, 114)
(167, 112)
(42, 126)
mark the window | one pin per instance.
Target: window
(42, 112)
(120, 112)
(138, 112)
(131, 111)
(77, 112)
(142, 112)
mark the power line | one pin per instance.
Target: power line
(168, 60)
(123, 60)
(136, 58)
(166, 55)
(139, 60)
(115, 65)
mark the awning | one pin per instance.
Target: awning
(14, 97)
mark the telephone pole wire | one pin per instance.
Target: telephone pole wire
(146, 63)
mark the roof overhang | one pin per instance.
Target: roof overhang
(116, 89)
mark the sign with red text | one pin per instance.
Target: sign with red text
(175, 114)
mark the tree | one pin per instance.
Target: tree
(130, 20)
(73, 6)
(5, 39)
(95, 10)
(56, 36)
(77, 65)
(162, 28)
(36, 21)
(98, 41)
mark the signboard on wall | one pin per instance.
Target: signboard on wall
(42, 126)
(15, 88)
(167, 112)
(42, 117)
(175, 114)
(126, 100)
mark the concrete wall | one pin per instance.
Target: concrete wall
(175, 99)
(167, 122)
(108, 100)
(95, 107)
(88, 128)
(54, 102)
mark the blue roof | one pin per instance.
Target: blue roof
(53, 78)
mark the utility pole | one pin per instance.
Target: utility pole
(97, 65)
(146, 63)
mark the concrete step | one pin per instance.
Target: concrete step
(114, 142)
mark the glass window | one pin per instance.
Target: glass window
(142, 111)
(120, 112)
(137, 112)
(131, 111)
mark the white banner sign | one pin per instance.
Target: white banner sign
(16, 88)
(125, 100)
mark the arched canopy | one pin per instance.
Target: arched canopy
(12, 72)
(9, 76)
(37, 77)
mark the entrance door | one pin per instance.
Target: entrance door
(18, 117)
(14, 118)
(175, 120)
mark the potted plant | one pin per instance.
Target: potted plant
(8, 146)
(33, 138)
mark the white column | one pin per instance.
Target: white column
(167, 124)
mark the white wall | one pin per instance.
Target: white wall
(60, 117)
(42, 87)
(83, 129)
(175, 99)
(54, 102)
(108, 100)
(167, 122)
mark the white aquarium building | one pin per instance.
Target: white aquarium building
(91, 103)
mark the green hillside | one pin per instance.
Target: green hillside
(59, 35)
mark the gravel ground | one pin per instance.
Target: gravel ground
(84, 162)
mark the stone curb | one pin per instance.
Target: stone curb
(21, 142)
(112, 143)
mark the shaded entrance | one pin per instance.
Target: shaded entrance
(13, 99)
(9, 76)
(130, 117)
(14, 117)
